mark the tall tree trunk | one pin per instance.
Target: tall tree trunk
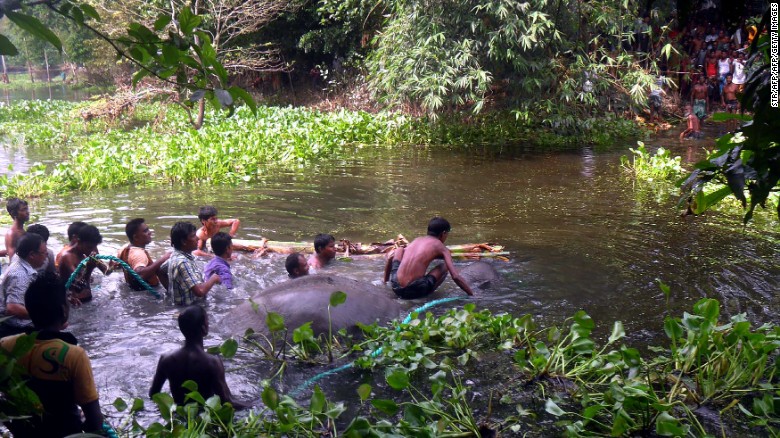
(201, 113)
(46, 60)
(5, 71)
(29, 70)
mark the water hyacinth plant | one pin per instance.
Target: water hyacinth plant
(709, 367)
(154, 143)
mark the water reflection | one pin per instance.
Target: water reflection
(580, 234)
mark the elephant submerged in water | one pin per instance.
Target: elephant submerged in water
(305, 299)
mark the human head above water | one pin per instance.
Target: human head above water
(73, 230)
(132, 227)
(15, 206)
(322, 240)
(206, 212)
(220, 243)
(180, 232)
(296, 265)
(193, 322)
(40, 230)
(437, 226)
(28, 244)
(45, 302)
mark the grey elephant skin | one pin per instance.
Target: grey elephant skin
(480, 275)
(306, 299)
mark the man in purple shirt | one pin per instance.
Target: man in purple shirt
(222, 244)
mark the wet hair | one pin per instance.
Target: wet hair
(132, 227)
(191, 321)
(28, 244)
(322, 240)
(220, 243)
(90, 234)
(206, 212)
(179, 233)
(40, 230)
(292, 263)
(438, 225)
(45, 300)
(73, 229)
(13, 205)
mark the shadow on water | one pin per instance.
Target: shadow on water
(580, 233)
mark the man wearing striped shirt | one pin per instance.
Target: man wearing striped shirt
(185, 279)
(31, 254)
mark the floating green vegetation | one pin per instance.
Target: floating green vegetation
(154, 143)
(663, 174)
(724, 372)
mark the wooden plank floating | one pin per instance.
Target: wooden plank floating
(348, 249)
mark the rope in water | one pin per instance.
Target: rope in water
(109, 431)
(122, 263)
(374, 353)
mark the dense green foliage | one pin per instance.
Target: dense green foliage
(612, 390)
(132, 150)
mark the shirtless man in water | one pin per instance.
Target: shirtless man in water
(211, 226)
(88, 240)
(191, 362)
(20, 213)
(699, 99)
(405, 268)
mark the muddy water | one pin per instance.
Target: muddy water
(581, 235)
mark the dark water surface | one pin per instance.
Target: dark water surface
(582, 235)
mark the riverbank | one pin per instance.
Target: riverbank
(154, 143)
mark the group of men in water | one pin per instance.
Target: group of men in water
(35, 300)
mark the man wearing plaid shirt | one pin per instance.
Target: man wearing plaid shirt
(185, 279)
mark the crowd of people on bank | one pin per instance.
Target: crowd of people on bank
(39, 288)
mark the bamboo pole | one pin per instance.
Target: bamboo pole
(46, 61)
(5, 71)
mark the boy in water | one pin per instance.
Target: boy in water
(222, 244)
(191, 362)
(86, 247)
(20, 214)
(296, 265)
(324, 251)
(693, 130)
(73, 237)
(211, 226)
(405, 268)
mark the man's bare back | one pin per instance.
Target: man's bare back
(406, 268)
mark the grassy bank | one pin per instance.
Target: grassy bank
(155, 144)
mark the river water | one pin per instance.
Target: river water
(582, 235)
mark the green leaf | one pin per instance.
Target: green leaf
(337, 298)
(190, 385)
(228, 348)
(664, 288)
(120, 404)
(188, 21)
(274, 321)
(224, 98)
(397, 378)
(240, 93)
(364, 391)
(672, 328)
(270, 398)
(617, 332)
(24, 344)
(666, 425)
(34, 27)
(138, 405)
(6, 47)
(164, 403)
(90, 11)
(317, 400)
(389, 407)
(161, 22)
(170, 54)
(552, 408)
